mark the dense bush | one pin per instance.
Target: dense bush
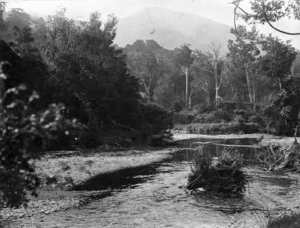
(177, 106)
(223, 176)
(199, 119)
(218, 116)
(239, 119)
(230, 106)
(256, 118)
(240, 112)
(181, 118)
(68, 136)
(274, 122)
(285, 221)
(155, 119)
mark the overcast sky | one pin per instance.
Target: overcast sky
(217, 10)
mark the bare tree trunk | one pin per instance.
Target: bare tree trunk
(295, 134)
(207, 98)
(93, 122)
(186, 87)
(248, 84)
(147, 88)
(253, 93)
(216, 84)
(280, 83)
(190, 100)
(215, 47)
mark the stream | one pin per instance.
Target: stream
(155, 196)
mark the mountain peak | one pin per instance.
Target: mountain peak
(171, 29)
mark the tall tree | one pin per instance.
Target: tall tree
(184, 58)
(278, 58)
(244, 52)
(85, 65)
(2, 10)
(170, 88)
(203, 75)
(143, 63)
(296, 66)
(217, 63)
(208, 70)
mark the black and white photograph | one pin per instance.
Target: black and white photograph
(150, 113)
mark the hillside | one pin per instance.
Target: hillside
(171, 29)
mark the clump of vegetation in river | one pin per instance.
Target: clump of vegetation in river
(223, 175)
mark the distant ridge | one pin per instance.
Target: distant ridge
(171, 29)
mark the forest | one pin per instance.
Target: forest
(69, 62)
(65, 84)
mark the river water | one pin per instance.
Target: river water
(155, 196)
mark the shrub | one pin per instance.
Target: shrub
(68, 137)
(285, 221)
(230, 106)
(196, 109)
(239, 119)
(218, 116)
(199, 119)
(177, 107)
(156, 119)
(227, 106)
(223, 176)
(256, 119)
(275, 123)
(180, 118)
(23, 136)
(88, 140)
(204, 108)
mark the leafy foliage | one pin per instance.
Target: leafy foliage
(87, 69)
(22, 139)
(143, 62)
(268, 11)
(272, 10)
(278, 60)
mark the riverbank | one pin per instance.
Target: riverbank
(59, 172)
(70, 169)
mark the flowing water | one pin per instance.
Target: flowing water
(155, 196)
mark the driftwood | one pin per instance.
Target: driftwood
(276, 158)
(234, 145)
